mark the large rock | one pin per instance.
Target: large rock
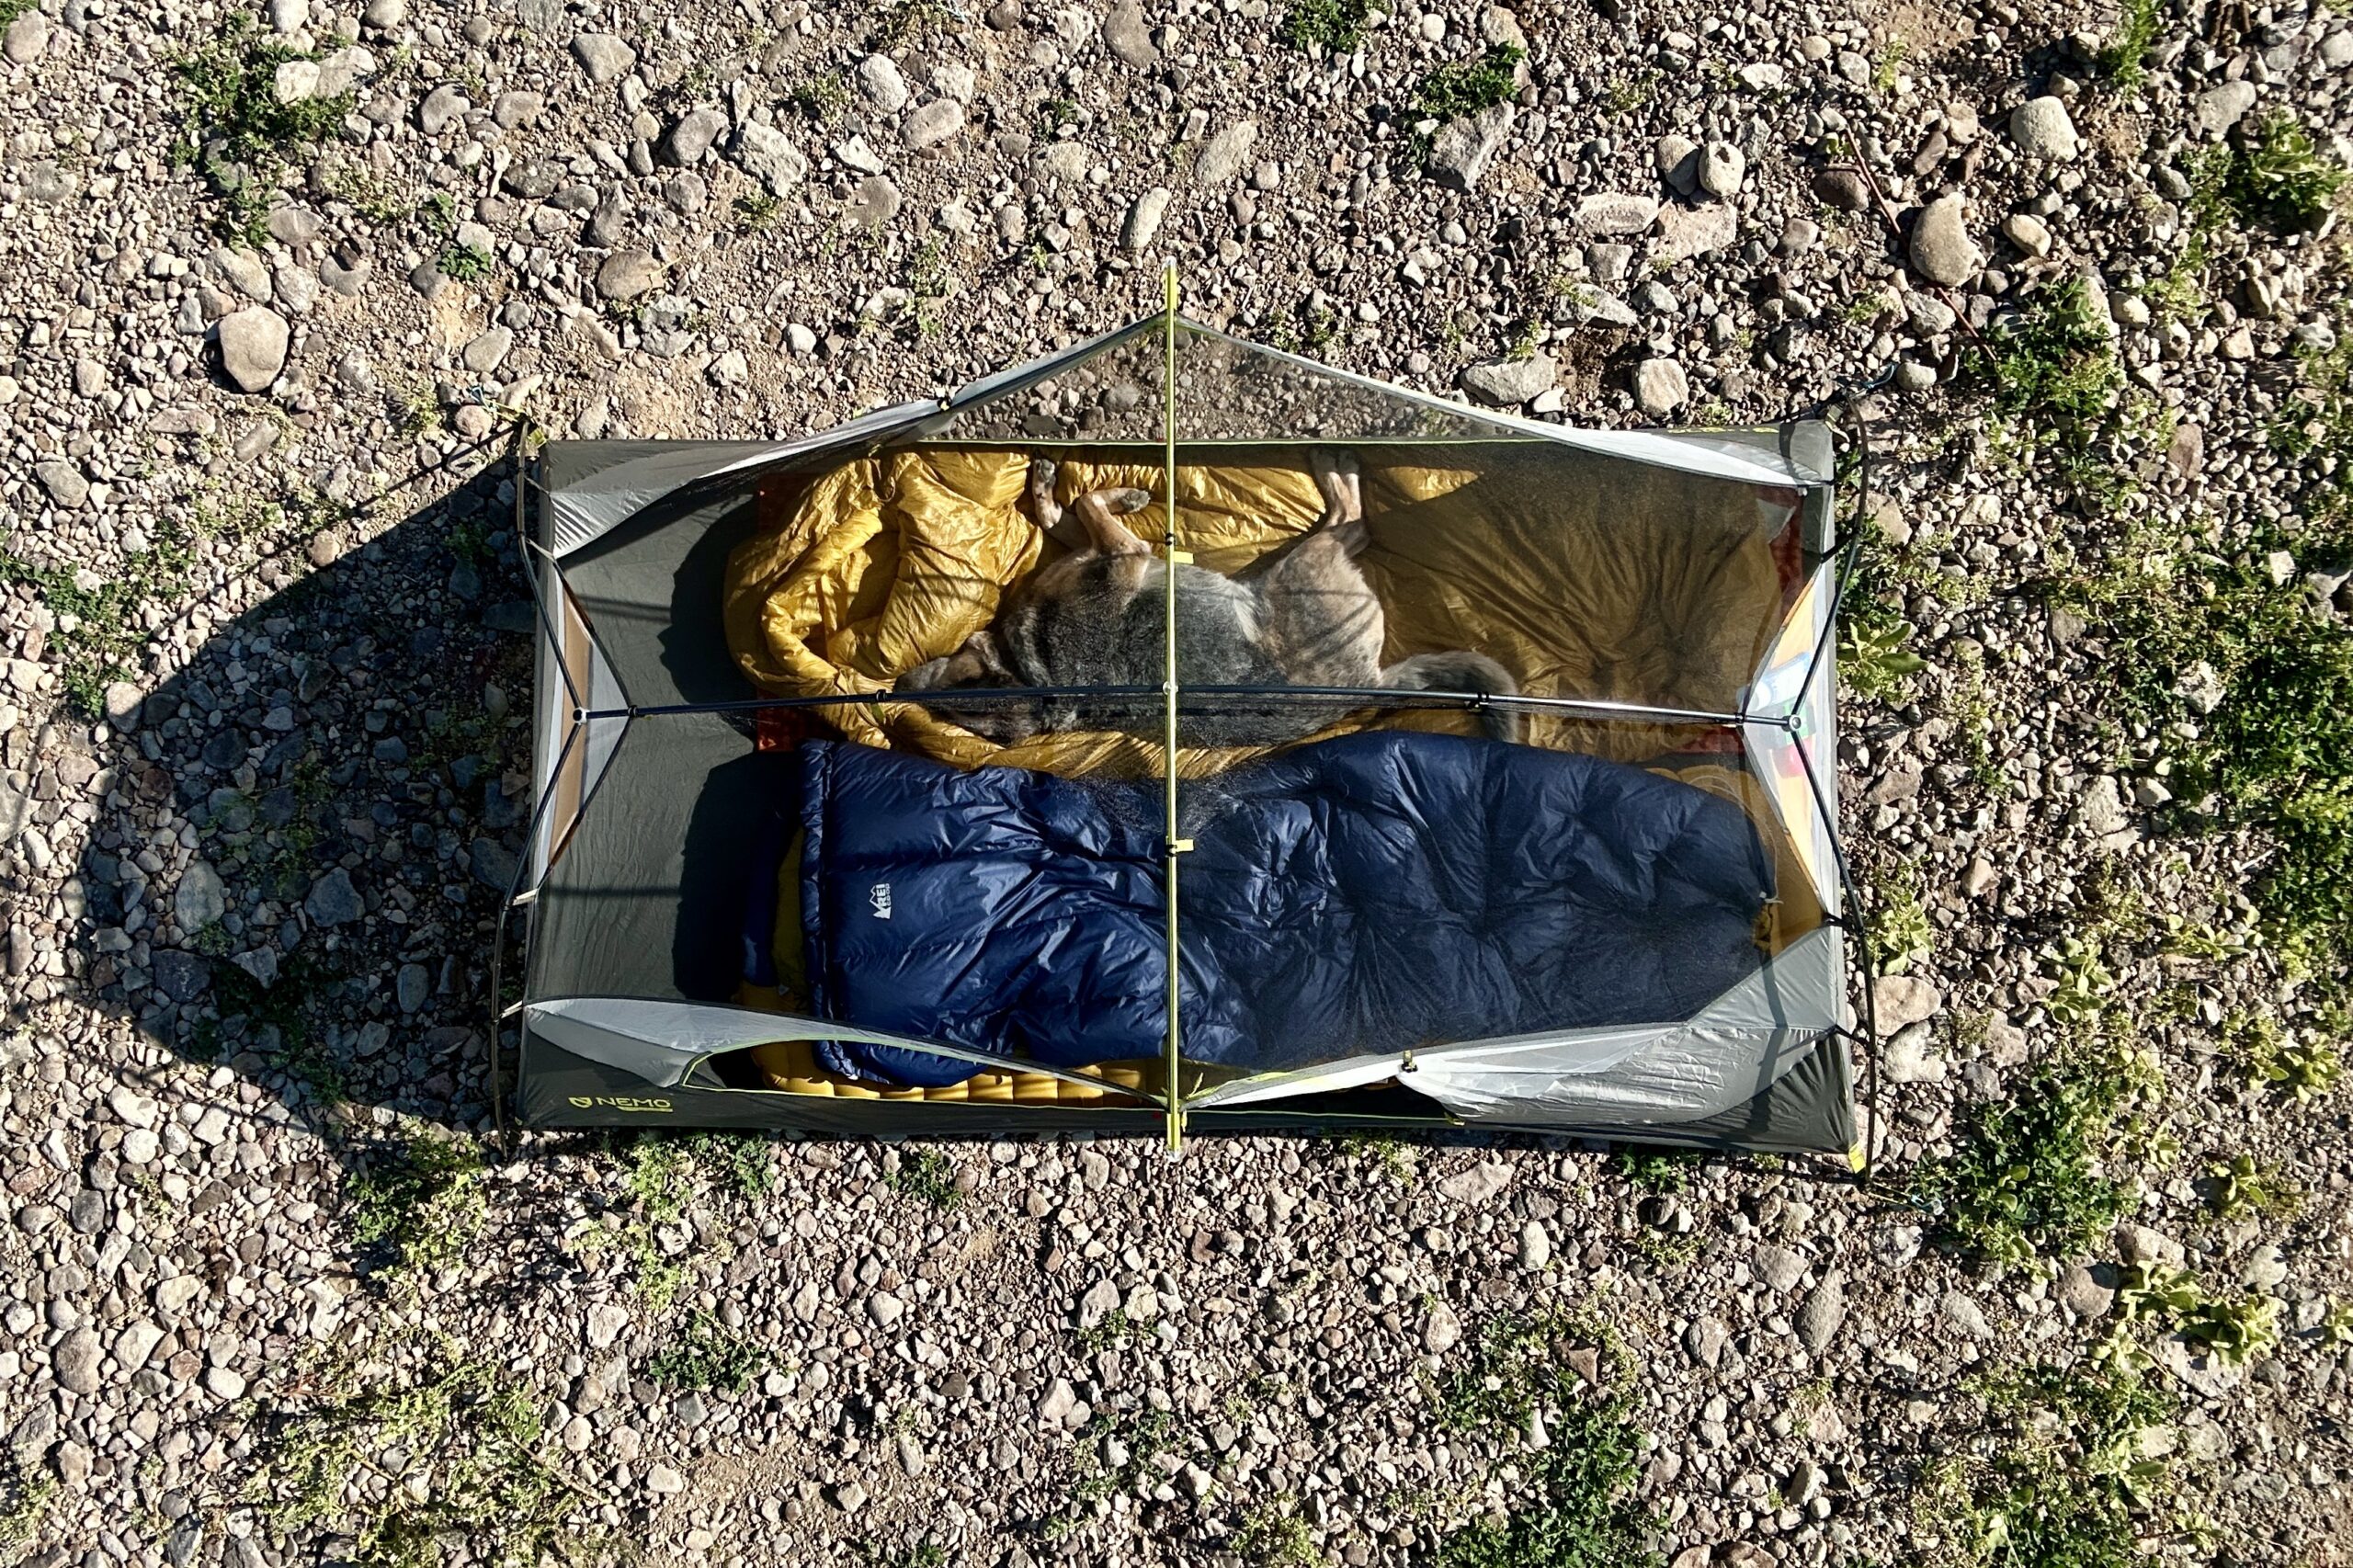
(1903, 1000)
(602, 56)
(770, 157)
(626, 274)
(693, 136)
(1126, 35)
(1942, 250)
(2221, 107)
(1821, 1312)
(1661, 387)
(2042, 130)
(1686, 231)
(934, 123)
(201, 898)
(333, 901)
(1615, 213)
(1222, 154)
(1464, 148)
(1507, 383)
(1144, 220)
(253, 348)
(64, 482)
(883, 87)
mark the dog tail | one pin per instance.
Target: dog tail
(1461, 672)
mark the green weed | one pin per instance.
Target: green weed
(11, 9)
(2242, 1188)
(1334, 26)
(425, 1197)
(744, 1161)
(1396, 1158)
(823, 97)
(1113, 1328)
(1577, 1503)
(1656, 1170)
(2028, 1178)
(2124, 59)
(1889, 69)
(926, 1174)
(2276, 752)
(2233, 1331)
(447, 1462)
(755, 210)
(2072, 1454)
(1274, 1536)
(707, 1356)
(464, 264)
(1900, 928)
(2060, 392)
(27, 1497)
(2279, 174)
(1466, 87)
(2272, 1055)
(233, 129)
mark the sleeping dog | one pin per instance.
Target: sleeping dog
(1304, 617)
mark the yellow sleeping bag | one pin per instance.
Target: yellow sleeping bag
(1641, 585)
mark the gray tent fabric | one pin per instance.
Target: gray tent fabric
(652, 780)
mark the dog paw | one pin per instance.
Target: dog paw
(1119, 503)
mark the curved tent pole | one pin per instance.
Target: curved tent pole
(1853, 912)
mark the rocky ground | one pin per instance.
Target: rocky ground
(280, 286)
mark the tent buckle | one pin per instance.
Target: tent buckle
(1180, 847)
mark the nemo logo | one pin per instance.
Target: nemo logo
(622, 1102)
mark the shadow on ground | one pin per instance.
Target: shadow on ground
(301, 838)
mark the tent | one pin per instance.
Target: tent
(1625, 922)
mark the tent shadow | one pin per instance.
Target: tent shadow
(287, 860)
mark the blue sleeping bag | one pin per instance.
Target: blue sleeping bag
(1374, 892)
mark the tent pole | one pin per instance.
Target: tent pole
(1172, 1055)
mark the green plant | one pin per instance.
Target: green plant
(744, 1160)
(284, 1010)
(823, 97)
(426, 1196)
(2242, 1188)
(1052, 115)
(1577, 1503)
(1873, 661)
(755, 210)
(235, 131)
(27, 1497)
(1465, 87)
(2125, 57)
(1900, 928)
(1889, 68)
(2060, 392)
(707, 1356)
(926, 1174)
(11, 9)
(2273, 749)
(2027, 1175)
(1656, 1170)
(1395, 1157)
(465, 264)
(1112, 1328)
(2232, 1331)
(2277, 173)
(1334, 26)
(2070, 1455)
(451, 1460)
(1274, 1536)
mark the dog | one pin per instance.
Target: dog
(1302, 617)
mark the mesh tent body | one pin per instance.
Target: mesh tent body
(655, 754)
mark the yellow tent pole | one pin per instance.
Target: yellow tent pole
(1172, 1059)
